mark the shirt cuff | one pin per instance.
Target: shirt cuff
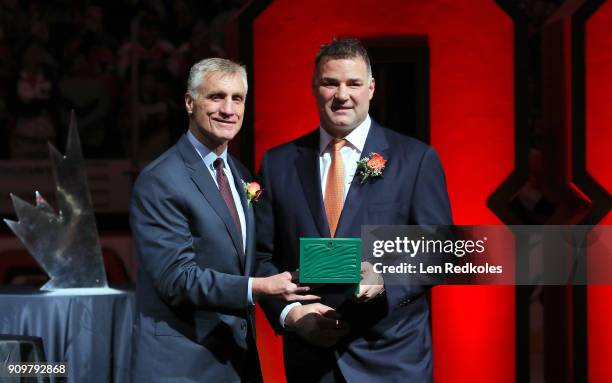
(250, 292)
(285, 311)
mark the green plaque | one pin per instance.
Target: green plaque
(331, 260)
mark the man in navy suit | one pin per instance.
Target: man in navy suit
(312, 190)
(193, 229)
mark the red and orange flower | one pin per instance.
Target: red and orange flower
(370, 166)
(253, 191)
(376, 162)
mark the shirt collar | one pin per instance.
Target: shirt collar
(356, 138)
(207, 155)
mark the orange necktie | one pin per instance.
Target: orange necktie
(334, 188)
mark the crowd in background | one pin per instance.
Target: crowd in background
(119, 64)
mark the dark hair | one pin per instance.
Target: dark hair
(345, 48)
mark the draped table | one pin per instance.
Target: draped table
(90, 329)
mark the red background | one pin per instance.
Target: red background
(472, 125)
(598, 138)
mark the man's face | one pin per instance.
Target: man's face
(215, 115)
(343, 93)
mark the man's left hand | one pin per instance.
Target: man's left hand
(371, 285)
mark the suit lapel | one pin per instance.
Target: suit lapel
(206, 185)
(250, 238)
(248, 215)
(376, 142)
(307, 165)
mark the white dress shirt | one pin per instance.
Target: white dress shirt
(209, 158)
(351, 152)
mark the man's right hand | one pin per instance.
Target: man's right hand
(316, 323)
(281, 286)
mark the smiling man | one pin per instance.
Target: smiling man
(193, 230)
(315, 189)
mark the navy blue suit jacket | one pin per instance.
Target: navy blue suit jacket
(194, 323)
(390, 338)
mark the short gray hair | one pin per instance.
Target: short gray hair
(215, 64)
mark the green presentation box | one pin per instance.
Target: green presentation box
(331, 260)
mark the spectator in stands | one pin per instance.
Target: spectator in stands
(92, 102)
(151, 49)
(197, 48)
(35, 125)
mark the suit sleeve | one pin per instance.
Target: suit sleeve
(429, 206)
(266, 265)
(164, 246)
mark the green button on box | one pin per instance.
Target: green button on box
(331, 260)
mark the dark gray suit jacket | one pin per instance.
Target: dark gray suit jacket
(194, 323)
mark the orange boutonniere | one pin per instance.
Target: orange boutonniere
(370, 166)
(253, 191)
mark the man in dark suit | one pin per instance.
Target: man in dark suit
(313, 189)
(193, 229)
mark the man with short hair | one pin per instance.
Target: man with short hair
(193, 229)
(314, 189)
